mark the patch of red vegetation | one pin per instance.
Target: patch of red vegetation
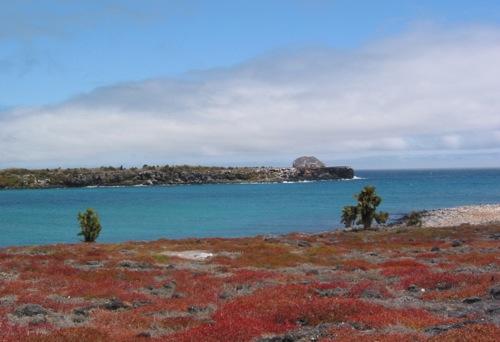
(75, 335)
(351, 335)
(402, 268)
(283, 308)
(350, 283)
(429, 280)
(477, 259)
(369, 289)
(470, 285)
(356, 264)
(474, 332)
(246, 276)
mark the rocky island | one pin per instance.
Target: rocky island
(304, 169)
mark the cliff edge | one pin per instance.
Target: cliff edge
(165, 175)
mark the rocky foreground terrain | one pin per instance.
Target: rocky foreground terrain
(403, 284)
(164, 175)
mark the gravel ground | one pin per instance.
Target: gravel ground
(473, 214)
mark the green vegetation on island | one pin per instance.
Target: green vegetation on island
(164, 175)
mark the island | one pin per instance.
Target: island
(303, 169)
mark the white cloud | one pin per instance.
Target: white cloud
(423, 91)
(452, 141)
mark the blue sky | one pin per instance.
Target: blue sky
(168, 60)
(51, 50)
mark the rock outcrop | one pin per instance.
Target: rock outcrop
(308, 162)
(164, 175)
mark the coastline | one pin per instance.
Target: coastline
(479, 214)
(164, 175)
(459, 216)
(430, 283)
(409, 284)
(471, 215)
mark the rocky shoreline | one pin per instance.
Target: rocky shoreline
(471, 214)
(166, 175)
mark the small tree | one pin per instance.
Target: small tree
(90, 225)
(349, 214)
(365, 211)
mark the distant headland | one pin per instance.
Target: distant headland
(303, 169)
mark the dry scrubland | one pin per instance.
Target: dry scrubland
(395, 285)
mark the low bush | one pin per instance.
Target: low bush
(414, 219)
(90, 225)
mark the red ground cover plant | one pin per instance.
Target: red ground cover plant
(431, 280)
(402, 268)
(346, 334)
(356, 286)
(470, 285)
(246, 276)
(473, 332)
(11, 332)
(369, 288)
(356, 264)
(477, 259)
(287, 307)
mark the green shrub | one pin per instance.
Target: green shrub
(349, 214)
(414, 219)
(365, 211)
(90, 225)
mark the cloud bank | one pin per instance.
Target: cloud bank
(421, 93)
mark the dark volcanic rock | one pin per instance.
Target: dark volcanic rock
(135, 265)
(324, 173)
(166, 291)
(371, 293)
(443, 286)
(438, 329)
(412, 288)
(495, 236)
(115, 304)
(198, 309)
(336, 292)
(471, 300)
(495, 292)
(29, 310)
(83, 311)
(495, 310)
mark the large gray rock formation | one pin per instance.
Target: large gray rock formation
(307, 162)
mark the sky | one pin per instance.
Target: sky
(371, 84)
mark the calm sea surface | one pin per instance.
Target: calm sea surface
(145, 213)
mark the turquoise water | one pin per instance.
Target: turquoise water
(145, 213)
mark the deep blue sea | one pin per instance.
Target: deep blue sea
(144, 213)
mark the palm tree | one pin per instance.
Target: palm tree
(365, 211)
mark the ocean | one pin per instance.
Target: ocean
(230, 210)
